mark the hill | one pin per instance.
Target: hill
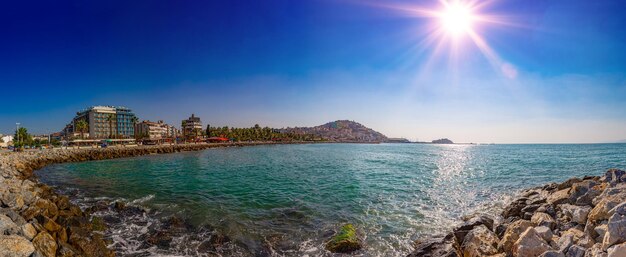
(340, 131)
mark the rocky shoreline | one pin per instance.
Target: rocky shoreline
(37, 221)
(582, 217)
(577, 218)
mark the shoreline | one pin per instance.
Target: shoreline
(41, 220)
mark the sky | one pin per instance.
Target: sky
(540, 71)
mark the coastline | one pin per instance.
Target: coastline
(47, 222)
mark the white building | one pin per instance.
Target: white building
(6, 140)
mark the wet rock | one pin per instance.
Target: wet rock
(512, 234)
(439, 247)
(345, 241)
(66, 250)
(97, 224)
(576, 213)
(161, 239)
(45, 244)
(90, 244)
(530, 244)
(15, 246)
(514, 209)
(480, 241)
(616, 227)
(461, 231)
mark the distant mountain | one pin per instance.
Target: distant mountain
(341, 131)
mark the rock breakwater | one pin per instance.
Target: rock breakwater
(581, 217)
(37, 221)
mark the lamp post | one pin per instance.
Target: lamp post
(17, 132)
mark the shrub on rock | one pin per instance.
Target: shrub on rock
(345, 241)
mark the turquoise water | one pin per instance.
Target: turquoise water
(286, 200)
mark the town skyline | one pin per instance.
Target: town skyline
(536, 73)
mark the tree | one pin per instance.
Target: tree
(22, 138)
(208, 130)
(110, 119)
(81, 126)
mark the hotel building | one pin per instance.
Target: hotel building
(106, 122)
(192, 127)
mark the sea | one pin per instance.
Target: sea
(288, 200)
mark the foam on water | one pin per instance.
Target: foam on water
(288, 200)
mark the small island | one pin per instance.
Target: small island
(442, 141)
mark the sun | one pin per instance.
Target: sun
(456, 19)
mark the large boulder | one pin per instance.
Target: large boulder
(606, 201)
(576, 213)
(45, 244)
(7, 226)
(344, 241)
(512, 234)
(479, 242)
(584, 192)
(530, 244)
(28, 231)
(616, 228)
(461, 231)
(542, 219)
(614, 176)
(617, 250)
(575, 251)
(15, 246)
(559, 197)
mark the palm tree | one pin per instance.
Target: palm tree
(110, 119)
(81, 126)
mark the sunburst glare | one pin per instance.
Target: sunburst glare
(457, 24)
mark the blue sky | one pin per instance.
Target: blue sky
(303, 63)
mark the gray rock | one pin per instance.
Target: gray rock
(544, 232)
(7, 227)
(616, 228)
(575, 213)
(575, 251)
(614, 176)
